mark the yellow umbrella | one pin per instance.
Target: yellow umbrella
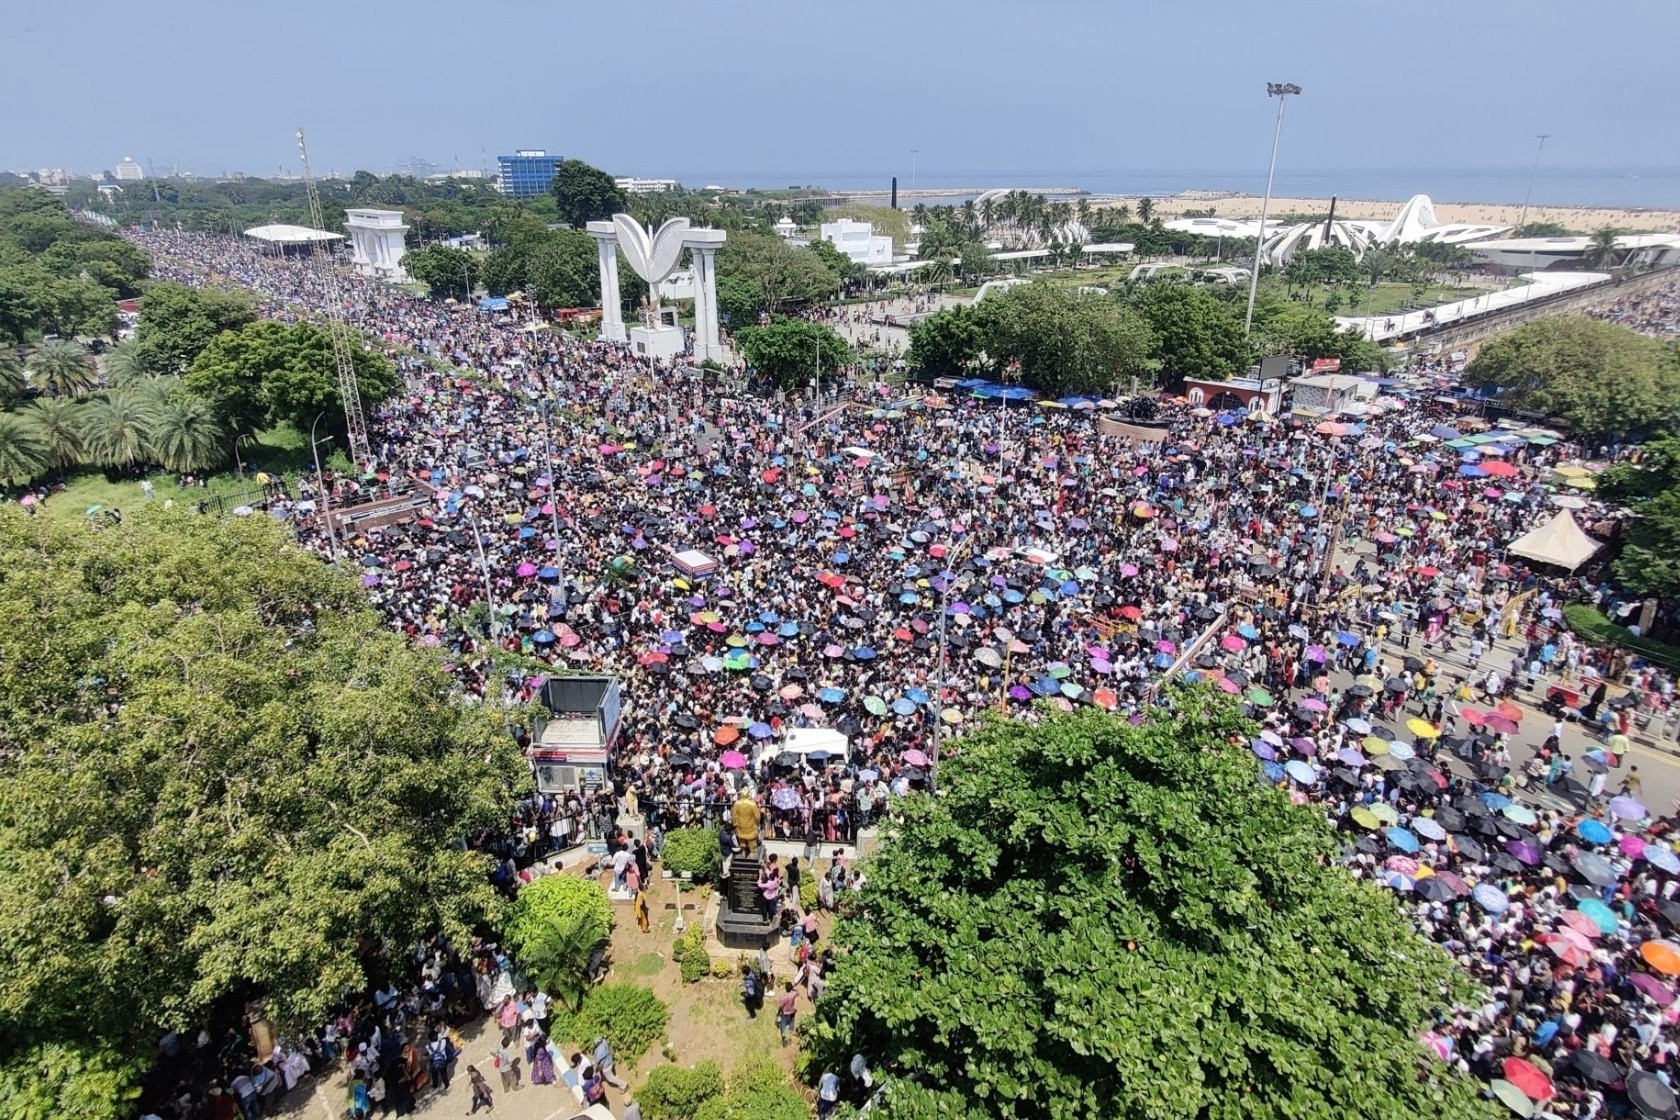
(1582, 483)
(680, 584)
(1571, 472)
(1385, 813)
(1376, 744)
(1422, 728)
(1364, 818)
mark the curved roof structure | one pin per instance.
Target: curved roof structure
(1414, 224)
(1215, 227)
(291, 235)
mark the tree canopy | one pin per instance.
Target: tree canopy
(177, 322)
(794, 352)
(778, 272)
(446, 271)
(1603, 380)
(584, 193)
(220, 779)
(58, 274)
(1112, 921)
(1197, 334)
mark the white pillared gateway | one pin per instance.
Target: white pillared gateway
(653, 255)
(377, 243)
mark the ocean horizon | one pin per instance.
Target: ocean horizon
(1655, 188)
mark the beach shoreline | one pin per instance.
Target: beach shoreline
(1583, 219)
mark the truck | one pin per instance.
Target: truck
(571, 747)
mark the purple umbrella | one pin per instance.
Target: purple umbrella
(1628, 809)
(1651, 987)
(1263, 750)
(1020, 692)
(1305, 746)
(1523, 851)
(370, 580)
(1315, 653)
(1098, 665)
(1350, 757)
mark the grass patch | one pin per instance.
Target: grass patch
(280, 451)
(1591, 626)
(648, 964)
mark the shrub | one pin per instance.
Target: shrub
(690, 953)
(628, 1016)
(723, 969)
(556, 897)
(675, 1093)
(694, 851)
(808, 893)
(757, 1091)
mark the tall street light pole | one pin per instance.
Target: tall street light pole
(1522, 216)
(914, 152)
(321, 480)
(952, 559)
(1281, 91)
(547, 407)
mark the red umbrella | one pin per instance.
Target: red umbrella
(1498, 468)
(1526, 1076)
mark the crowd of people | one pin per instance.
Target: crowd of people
(1655, 312)
(891, 568)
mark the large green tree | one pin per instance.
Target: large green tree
(1118, 922)
(24, 454)
(1065, 341)
(62, 368)
(1197, 334)
(1603, 380)
(782, 273)
(1287, 327)
(270, 373)
(947, 343)
(221, 779)
(584, 193)
(794, 352)
(178, 322)
(446, 271)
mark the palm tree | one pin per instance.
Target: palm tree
(13, 381)
(987, 212)
(59, 422)
(122, 364)
(114, 429)
(1123, 212)
(558, 960)
(1146, 209)
(61, 369)
(23, 453)
(184, 435)
(1601, 250)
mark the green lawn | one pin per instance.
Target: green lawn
(283, 451)
(1591, 625)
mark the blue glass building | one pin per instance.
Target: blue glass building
(528, 172)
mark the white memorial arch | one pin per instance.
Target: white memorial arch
(653, 257)
(377, 244)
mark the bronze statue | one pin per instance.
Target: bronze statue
(746, 816)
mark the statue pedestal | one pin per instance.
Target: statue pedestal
(656, 342)
(740, 922)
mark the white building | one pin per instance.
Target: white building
(377, 243)
(632, 185)
(1537, 253)
(859, 241)
(129, 171)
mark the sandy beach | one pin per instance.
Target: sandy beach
(1582, 218)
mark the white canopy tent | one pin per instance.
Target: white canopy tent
(1559, 541)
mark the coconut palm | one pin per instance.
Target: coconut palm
(1146, 209)
(184, 435)
(61, 368)
(13, 380)
(1601, 250)
(58, 420)
(1123, 212)
(122, 364)
(114, 429)
(153, 393)
(23, 453)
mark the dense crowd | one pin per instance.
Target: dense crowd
(892, 568)
(1655, 312)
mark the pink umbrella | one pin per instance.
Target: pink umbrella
(1099, 652)
(1314, 704)
(1228, 686)
(1581, 924)
(767, 638)
(1233, 643)
(569, 640)
(1165, 647)
(832, 651)
(525, 571)
(1128, 570)
(732, 760)
(1632, 846)
(792, 692)
(27, 500)
(915, 757)
(1099, 665)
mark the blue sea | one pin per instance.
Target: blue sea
(1652, 187)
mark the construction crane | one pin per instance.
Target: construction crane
(348, 391)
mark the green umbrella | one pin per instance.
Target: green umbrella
(1260, 698)
(874, 705)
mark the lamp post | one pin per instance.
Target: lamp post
(1522, 215)
(490, 678)
(1281, 91)
(321, 480)
(952, 559)
(547, 409)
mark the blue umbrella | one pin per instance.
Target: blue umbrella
(1491, 898)
(1160, 661)
(1470, 470)
(1661, 858)
(1272, 772)
(908, 597)
(831, 695)
(1347, 638)
(1262, 750)
(1069, 588)
(1247, 631)
(1398, 881)
(1402, 839)
(548, 573)
(1308, 511)
(543, 637)
(863, 653)
(1302, 772)
(1046, 686)
(526, 533)
(1594, 832)
(760, 731)
(904, 706)
(1012, 596)
(917, 696)
(1599, 913)
(788, 629)
(1494, 801)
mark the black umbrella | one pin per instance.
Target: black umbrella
(1625, 700)
(796, 674)
(1264, 571)
(1487, 826)
(1412, 665)
(761, 682)
(786, 759)
(1592, 1067)
(1474, 806)
(1510, 829)
(777, 708)
(1556, 863)
(1359, 692)
(1593, 765)
(1450, 819)
(1238, 678)
(683, 719)
(681, 760)
(1368, 844)
(1470, 848)
(1671, 911)
(1506, 862)
(1580, 892)
(1434, 890)
(1346, 776)
(1396, 684)
(1650, 1096)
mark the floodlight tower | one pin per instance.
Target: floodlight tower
(349, 392)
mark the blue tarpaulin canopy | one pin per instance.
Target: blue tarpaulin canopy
(493, 303)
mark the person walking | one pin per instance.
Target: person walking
(506, 1062)
(439, 1057)
(787, 1008)
(480, 1092)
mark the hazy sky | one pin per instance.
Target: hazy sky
(1034, 90)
